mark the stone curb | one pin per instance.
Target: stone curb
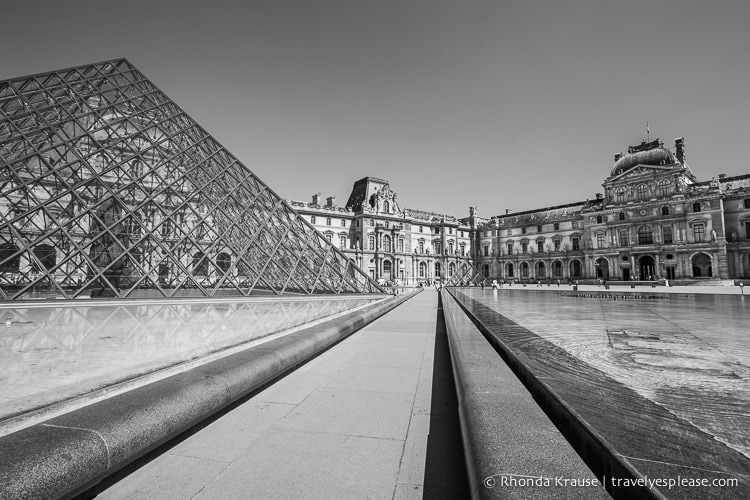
(504, 431)
(66, 455)
(589, 446)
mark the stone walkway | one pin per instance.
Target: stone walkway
(373, 417)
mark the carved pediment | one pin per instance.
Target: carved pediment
(640, 171)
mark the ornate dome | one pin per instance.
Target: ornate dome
(656, 156)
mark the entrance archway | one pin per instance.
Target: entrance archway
(701, 266)
(575, 269)
(602, 268)
(646, 267)
(557, 269)
(509, 270)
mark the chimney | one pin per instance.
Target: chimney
(317, 199)
(331, 201)
(599, 197)
(618, 156)
(679, 146)
(508, 211)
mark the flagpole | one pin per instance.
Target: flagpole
(648, 133)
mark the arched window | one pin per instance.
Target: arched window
(328, 221)
(450, 247)
(451, 269)
(422, 269)
(663, 188)
(200, 264)
(386, 207)
(343, 241)
(524, 270)
(557, 269)
(9, 263)
(47, 255)
(386, 243)
(329, 236)
(509, 270)
(312, 219)
(541, 270)
(400, 244)
(642, 192)
(224, 260)
(387, 266)
(621, 195)
(645, 235)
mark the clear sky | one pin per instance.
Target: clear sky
(500, 104)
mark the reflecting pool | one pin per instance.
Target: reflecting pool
(51, 353)
(663, 378)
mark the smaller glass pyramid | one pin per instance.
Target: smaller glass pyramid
(467, 275)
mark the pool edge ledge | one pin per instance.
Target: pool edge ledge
(68, 454)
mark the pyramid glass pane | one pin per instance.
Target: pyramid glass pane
(110, 189)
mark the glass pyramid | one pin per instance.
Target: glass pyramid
(467, 275)
(110, 189)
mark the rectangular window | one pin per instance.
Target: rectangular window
(574, 240)
(486, 251)
(510, 247)
(667, 232)
(747, 202)
(539, 229)
(421, 229)
(624, 238)
(510, 232)
(540, 246)
(557, 245)
(696, 207)
(557, 226)
(747, 230)
(524, 247)
(699, 232)
(574, 224)
(523, 230)
(600, 240)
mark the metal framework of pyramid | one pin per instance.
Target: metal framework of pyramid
(109, 188)
(467, 275)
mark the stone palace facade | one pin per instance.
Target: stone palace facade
(387, 241)
(655, 220)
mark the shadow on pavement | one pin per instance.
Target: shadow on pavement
(445, 469)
